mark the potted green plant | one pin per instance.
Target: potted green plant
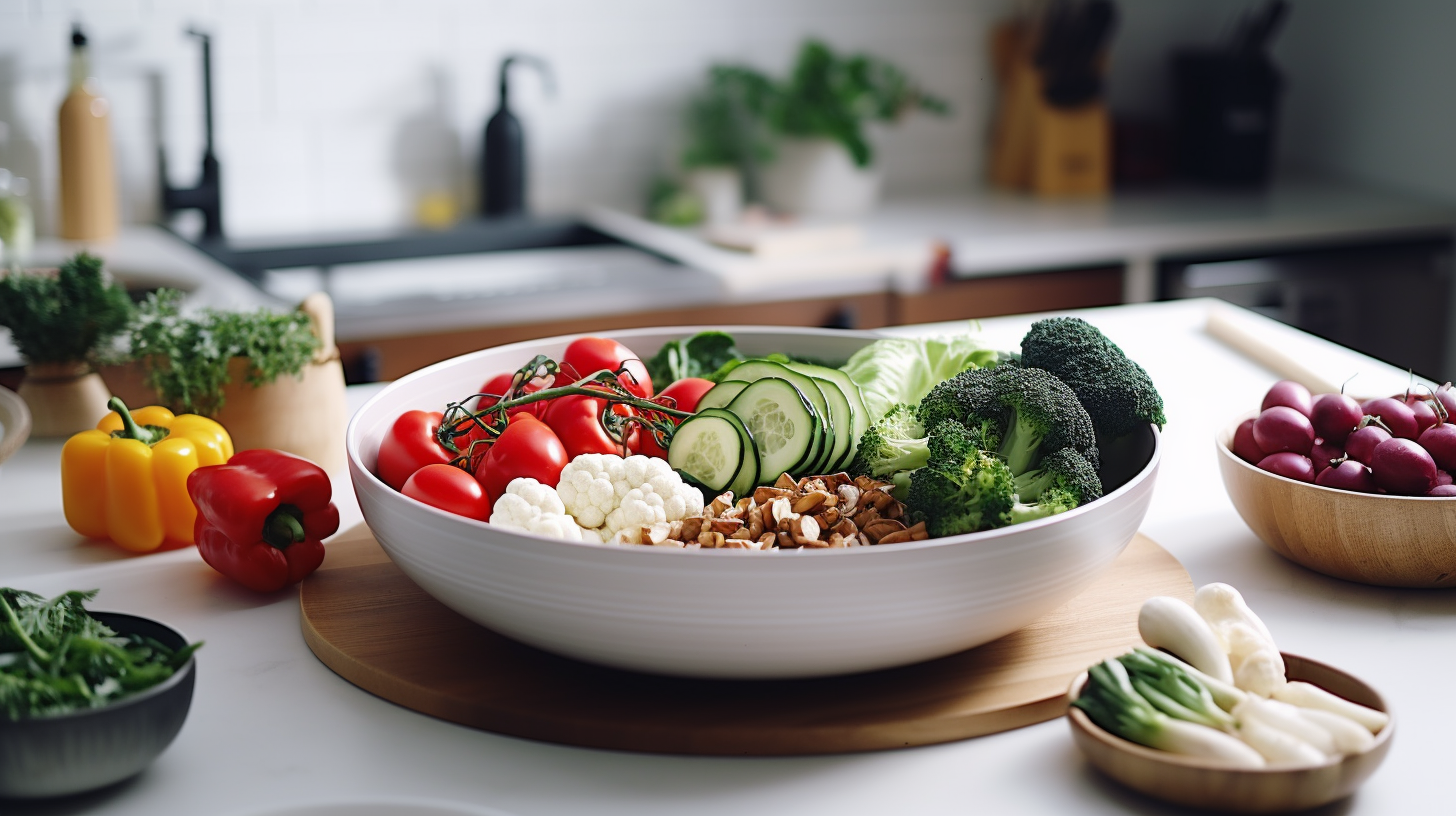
(62, 321)
(725, 140)
(272, 379)
(825, 163)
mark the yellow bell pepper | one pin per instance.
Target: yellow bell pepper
(127, 480)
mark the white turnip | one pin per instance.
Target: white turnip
(1282, 428)
(1361, 444)
(1289, 394)
(1289, 465)
(1440, 441)
(1335, 416)
(1402, 466)
(1396, 415)
(1244, 445)
(1348, 475)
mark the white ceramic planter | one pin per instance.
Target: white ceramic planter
(733, 613)
(721, 191)
(816, 178)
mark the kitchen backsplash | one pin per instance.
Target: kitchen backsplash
(339, 114)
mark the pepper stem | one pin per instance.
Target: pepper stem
(149, 434)
(283, 529)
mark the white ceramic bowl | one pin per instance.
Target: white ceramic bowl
(736, 613)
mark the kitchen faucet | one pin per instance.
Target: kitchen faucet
(206, 196)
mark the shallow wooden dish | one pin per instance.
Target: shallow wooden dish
(1400, 541)
(1194, 783)
(14, 423)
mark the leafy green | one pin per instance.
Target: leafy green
(55, 658)
(701, 355)
(903, 369)
(64, 316)
(832, 96)
(187, 358)
(724, 120)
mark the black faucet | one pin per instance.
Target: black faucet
(207, 195)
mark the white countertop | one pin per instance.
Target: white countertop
(272, 727)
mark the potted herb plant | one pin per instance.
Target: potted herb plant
(62, 320)
(825, 163)
(726, 143)
(272, 379)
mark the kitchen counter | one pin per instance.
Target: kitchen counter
(272, 728)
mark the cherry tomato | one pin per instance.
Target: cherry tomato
(410, 445)
(527, 448)
(576, 421)
(588, 355)
(498, 385)
(686, 392)
(450, 489)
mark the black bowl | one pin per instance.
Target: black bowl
(95, 747)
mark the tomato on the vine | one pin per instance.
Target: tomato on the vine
(576, 420)
(588, 355)
(409, 445)
(449, 488)
(685, 393)
(501, 382)
(527, 448)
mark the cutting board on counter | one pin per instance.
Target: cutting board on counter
(377, 629)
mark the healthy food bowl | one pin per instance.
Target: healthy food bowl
(1402, 541)
(737, 613)
(1194, 782)
(87, 749)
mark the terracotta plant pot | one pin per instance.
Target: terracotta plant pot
(63, 398)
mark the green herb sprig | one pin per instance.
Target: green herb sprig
(55, 658)
(65, 316)
(186, 357)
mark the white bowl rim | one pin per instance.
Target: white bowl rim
(1226, 434)
(351, 441)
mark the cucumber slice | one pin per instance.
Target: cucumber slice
(708, 450)
(720, 395)
(841, 419)
(859, 417)
(782, 423)
(752, 370)
(747, 476)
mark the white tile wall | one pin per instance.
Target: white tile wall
(332, 114)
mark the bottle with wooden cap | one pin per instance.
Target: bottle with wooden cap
(88, 178)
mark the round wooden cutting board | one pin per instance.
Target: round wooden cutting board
(378, 630)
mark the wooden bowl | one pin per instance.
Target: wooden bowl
(1195, 783)
(1399, 541)
(14, 423)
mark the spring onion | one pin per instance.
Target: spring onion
(1306, 695)
(1168, 623)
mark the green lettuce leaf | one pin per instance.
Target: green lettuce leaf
(904, 369)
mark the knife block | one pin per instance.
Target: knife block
(1036, 146)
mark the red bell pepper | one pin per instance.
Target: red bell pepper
(262, 517)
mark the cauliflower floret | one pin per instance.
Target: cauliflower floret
(607, 493)
(531, 506)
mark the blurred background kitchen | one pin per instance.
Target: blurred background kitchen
(986, 157)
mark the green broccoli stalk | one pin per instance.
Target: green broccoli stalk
(1066, 471)
(894, 445)
(1117, 392)
(1022, 414)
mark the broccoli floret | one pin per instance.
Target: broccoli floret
(962, 488)
(1064, 472)
(1052, 502)
(1020, 414)
(1117, 392)
(895, 444)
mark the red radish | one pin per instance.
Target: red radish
(1244, 445)
(1323, 453)
(1424, 413)
(1348, 475)
(1289, 394)
(1447, 399)
(1335, 416)
(1440, 441)
(1443, 478)
(1282, 428)
(1396, 415)
(1289, 465)
(1404, 467)
(1361, 444)
(1442, 490)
